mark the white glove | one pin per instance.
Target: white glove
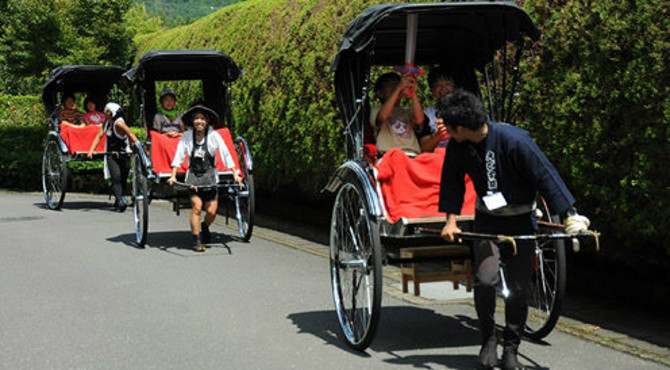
(576, 224)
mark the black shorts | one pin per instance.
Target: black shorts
(205, 195)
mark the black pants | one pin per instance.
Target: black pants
(518, 269)
(119, 167)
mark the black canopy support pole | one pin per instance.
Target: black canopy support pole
(515, 78)
(350, 141)
(488, 93)
(503, 90)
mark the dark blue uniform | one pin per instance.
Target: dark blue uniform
(521, 171)
(509, 162)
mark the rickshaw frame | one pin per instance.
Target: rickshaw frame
(217, 71)
(94, 81)
(362, 238)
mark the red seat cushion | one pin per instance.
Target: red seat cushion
(411, 186)
(164, 148)
(79, 139)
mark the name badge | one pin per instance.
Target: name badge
(494, 201)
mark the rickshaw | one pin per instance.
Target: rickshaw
(482, 43)
(65, 144)
(213, 71)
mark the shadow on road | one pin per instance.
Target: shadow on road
(404, 329)
(179, 242)
(80, 206)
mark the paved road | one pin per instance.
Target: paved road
(76, 294)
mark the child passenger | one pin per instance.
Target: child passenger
(69, 115)
(441, 83)
(92, 116)
(168, 120)
(116, 166)
(396, 125)
(200, 142)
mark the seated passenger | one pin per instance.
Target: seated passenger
(92, 116)
(434, 136)
(168, 120)
(396, 125)
(69, 115)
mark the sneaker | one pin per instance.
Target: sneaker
(205, 235)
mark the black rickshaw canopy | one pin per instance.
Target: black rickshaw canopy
(463, 37)
(93, 80)
(214, 68)
(479, 28)
(163, 65)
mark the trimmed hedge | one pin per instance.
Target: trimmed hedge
(283, 103)
(22, 131)
(597, 98)
(21, 156)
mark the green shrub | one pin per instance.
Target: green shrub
(597, 98)
(21, 156)
(283, 103)
(21, 110)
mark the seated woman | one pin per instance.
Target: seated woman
(168, 120)
(69, 115)
(92, 116)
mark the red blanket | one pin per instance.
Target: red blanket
(163, 149)
(411, 186)
(79, 139)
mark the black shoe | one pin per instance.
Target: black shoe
(197, 245)
(510, 361)
(120, 205)
(205, 235)
(488, 355)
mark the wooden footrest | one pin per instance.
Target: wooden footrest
(431, 271)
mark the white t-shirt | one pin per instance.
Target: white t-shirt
(396, 132)
(431, 113)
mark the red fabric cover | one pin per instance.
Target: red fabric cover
(164, 148)
(411, 186)
(228, 139)
(79, 139)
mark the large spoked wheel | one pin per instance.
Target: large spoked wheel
(140, 194)
(547, 291)
(355, 266)
(245, 198)
(54, 174)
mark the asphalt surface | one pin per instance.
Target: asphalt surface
(77, 293)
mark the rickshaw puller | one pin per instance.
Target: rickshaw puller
(201, 143)
(508, 170)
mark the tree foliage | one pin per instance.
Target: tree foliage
(40, 35)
